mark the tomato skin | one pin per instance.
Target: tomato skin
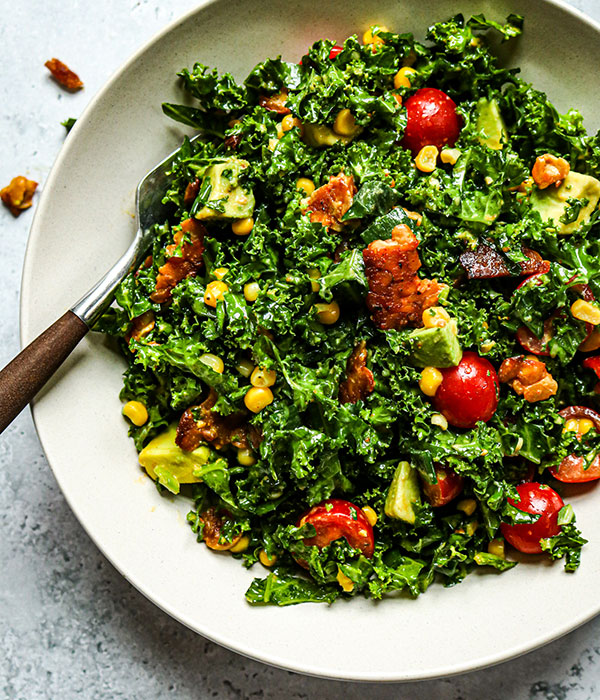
(448, 486)
(335, 518)
(335, 50)
(539, 499)
(431, 119)
(468, 392)
(570, 470)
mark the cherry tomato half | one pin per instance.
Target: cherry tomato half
(431, 119)
(335, 50)
(449, 485)
(336, 518)
(571, 469)
(541, 500)
(468, 392)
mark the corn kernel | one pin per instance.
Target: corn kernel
(431, 378)
(435, 317)
(368, 37)
(370, 515)
(241, 545)
(242, 227)
(246, 457)
(265, 559)
(136, 412)
(449, 155)
(581, 426)
(289, 122)
(251, 291)
(257, 398)
(272, 144)
(496, 547)
(214, 292)
(305, 185)
(279, 129)
(584, 311)
(328, 313)
(347, 585)
(402, 77)
(314, 274)
(263, 377)
(440, 420)
(472, 527)
(345, 124)
(426, 160)
(467, 505)
(245, 368)
(212, 361)
(220, 272)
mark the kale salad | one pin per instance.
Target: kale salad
(365, 342)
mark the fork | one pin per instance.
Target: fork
(27, 373)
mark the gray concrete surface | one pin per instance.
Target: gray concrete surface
(70, 625)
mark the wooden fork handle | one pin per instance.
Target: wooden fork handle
(22, 378)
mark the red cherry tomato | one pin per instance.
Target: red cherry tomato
(335, 518)
(449, 485)
(335, 50)
(531, 343)
(468, 392)
(571, 469)
(543, 501)
(431, 120)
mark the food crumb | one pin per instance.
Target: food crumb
(63, 74)
(18, 195)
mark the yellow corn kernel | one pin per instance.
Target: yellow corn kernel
(472, 527)
(496, 547)
(346, 583)
(328, 313)
(314, 274)
(487, 346)
(265, 559)
(272, 144)
(449, 155)
(370, 515)
(257, 398)
(279, 129)
(426, 160)
(246, 457)
(212, 361)
(136, 412)
(245, 368)
(220, 272)
(368, 37)
(585, 311)
(402, 77)
(435, 317)
(251, 291)
(305, 185)
(467, 505)
(431, 378)
(241, 545)
(289, 122)
(440, 420)
(242, 227)
(263, 377)
(581, 426)
(214, 292)
(345, 124)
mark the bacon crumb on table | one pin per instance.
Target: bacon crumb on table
(529, 377)
(397, 297)
(63, 74)
(359, 382)
(18, 195)
(328, 204)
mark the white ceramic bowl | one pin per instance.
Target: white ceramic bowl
(84, 222)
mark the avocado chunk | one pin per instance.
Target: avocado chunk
(227, 199)
(403, 494)
(168, 464)
(318, 136)
(490, 126)
(435, 347)
(552, 202)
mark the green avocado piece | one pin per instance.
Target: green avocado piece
(490, 126)
(552, 201)
(403, 494)
(227, 198)
(435, 347)
(169, 464)
(318, 136)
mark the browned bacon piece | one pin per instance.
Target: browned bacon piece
(486, 263)
(18, 195)
(183, 265)
(359, 380)
(210, 427)
(529, 377)
(549, 170)
(397, 297)
(275, 103)
(63, 74)
(191, 192)
(328, 204)
(140, 326)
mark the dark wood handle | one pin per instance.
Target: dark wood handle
(22, 378)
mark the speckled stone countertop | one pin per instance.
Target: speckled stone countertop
(70, 625)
